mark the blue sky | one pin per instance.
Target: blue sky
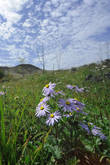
(68, 33)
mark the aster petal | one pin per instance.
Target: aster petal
(42, 111)
(48, 90)
(55, 118)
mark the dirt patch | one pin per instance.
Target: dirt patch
(85, 158)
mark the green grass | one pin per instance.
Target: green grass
(25, 139)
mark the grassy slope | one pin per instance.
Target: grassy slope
(23, 96)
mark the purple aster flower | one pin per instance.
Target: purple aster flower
(67, 105)
(96, 131)
(42, 109)
(80, 110)
(102, 136)
(85, 126)
(78, 106)
(52, 118)
(68, 115)
(69, 86)
(78, 103)
(59, 92)
(2, 93)
(43, 100)
(77, 89)
(48, 90)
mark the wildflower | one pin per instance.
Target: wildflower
(77, 89)
(80, 110)
(78, 103)
(59, 92)
(92, 129)
(76, 99)
(48, 90)
(102, 136)
(69, 86)
(41, 99)
(96, 131)
(42, 109)
(44, 100)
(68, 115)
(2, 93)
(67, 105)
(85, 127)
(52, 118)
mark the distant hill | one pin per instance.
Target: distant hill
(20, 70)
(23, 70)
(100, 63)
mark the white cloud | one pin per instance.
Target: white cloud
(26, 24)
(55, 3)
(76, 27)
(89, 2)
(64, 30)
(6, 29)
(9, 9)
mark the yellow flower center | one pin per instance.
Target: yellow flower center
(41, 108)
(47, 85)
(41, 100)
(70, 113)
(51, 115)
(57, 91)
(89, 124)
(77, 108)
(76, 99)
(67, 102)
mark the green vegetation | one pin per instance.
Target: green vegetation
(1, 74)
(27, 140)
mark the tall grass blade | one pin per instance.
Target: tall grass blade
(2, 121)
(37, 151)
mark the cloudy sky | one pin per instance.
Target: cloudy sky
(63, 33)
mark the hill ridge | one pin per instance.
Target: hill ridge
(19, 70)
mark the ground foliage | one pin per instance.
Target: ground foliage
(25, 139)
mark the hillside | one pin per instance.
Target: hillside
(19, 70)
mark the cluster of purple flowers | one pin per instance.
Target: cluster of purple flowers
(67, 108)
(92, 129)
(43, 108)
(71, 105)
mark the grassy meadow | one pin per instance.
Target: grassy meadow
(27, 140)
